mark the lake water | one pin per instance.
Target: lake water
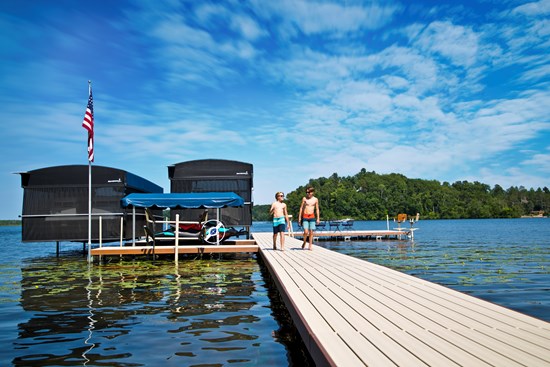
(222, 311)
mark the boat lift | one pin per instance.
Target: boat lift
(205, 200)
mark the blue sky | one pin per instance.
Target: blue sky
(440, 90)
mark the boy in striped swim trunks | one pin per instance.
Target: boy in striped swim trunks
(280, 219)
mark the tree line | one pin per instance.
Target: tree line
(10, 222)
(372, 196)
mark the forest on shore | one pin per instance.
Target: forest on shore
(372, 196)
(10, 222)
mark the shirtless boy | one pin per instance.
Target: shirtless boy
(309, 215)
(280, 219)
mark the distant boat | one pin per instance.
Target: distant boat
(345, 223)
(535, 214)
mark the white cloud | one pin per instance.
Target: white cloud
(174, 30)
(535, 8)
(457, 43)
(359, 96)
(335, 19)
(396, 82)
(247, 27)
(421, 72)
(540, 160)
(508, 177)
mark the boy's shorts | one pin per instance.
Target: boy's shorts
(279, 228)
(309, 223)
(279, 224)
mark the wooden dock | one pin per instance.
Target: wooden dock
(229, 246)
(351, 312)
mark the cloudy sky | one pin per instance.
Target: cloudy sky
(440, 89)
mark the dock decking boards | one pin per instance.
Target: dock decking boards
(351, 312)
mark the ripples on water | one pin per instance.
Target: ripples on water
(219, 311)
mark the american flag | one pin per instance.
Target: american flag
(88, 124)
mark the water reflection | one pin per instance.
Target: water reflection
(138, 313)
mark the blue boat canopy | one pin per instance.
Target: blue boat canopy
(193, 200)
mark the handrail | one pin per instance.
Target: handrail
(68, 215)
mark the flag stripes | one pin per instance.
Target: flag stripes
(88, 124)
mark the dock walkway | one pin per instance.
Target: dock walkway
(351, 312)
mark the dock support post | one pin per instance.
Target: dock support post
(100, 231)
(100, 234)
(133, 225)
(176, 248)
(290, 228)
(121, 229)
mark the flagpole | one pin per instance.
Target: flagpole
(89, 195)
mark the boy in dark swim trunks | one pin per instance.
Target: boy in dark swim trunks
(309, 215)
(280, 219)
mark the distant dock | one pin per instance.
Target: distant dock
(359, 234)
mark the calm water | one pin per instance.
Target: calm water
(220, 311)
(505, 261)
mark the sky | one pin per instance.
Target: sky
(440, 90)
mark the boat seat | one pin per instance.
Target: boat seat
(347, 224)
(149, 235)
(150, 219)
(334, 224)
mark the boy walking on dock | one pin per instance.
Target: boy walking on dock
(309, 215)
(280, 219)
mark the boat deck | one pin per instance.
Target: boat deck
(351, 312)
(229, 246)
